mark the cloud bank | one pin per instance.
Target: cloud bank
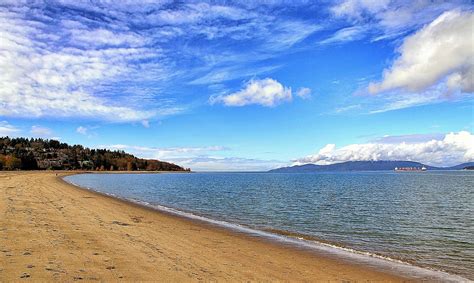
(102, 61)
(444, 49)
(199, 158)
(452, 149)
(164, 153)
(206, 163)
(55, 71)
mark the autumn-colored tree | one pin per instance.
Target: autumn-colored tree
(121, 163)
(151, 166)
(12, 163)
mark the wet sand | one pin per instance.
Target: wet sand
(50, 230)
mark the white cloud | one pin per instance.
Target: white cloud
(346, 34)
(444, 49)
(343, 109)
(106, 37)
(230, 73)
(82, 130)
(228, 164)
(145, 123)
(413, 138)
(387, 19)
(304, 93)
(396, 101)
(77, 59)
(39, 131)
(39, 79)
(8, 130)
(195, 13)
(267, 92)
(452, 149)
(164, 153)
(356, 8)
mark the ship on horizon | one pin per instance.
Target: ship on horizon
(410, 169)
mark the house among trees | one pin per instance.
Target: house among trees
(43, 154)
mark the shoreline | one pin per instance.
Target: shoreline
(294, 240)
(145, 243)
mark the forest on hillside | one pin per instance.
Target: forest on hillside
(44, 154)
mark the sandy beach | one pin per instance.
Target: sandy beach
(50, 230)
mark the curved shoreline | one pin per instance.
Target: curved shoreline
(379, 262)
(52, 230)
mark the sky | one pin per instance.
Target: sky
(243, 85)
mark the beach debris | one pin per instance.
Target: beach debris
(110, 267)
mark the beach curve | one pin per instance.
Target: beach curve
(53, 230)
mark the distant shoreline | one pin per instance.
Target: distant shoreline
(368, 166)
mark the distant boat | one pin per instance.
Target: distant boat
(410, 169)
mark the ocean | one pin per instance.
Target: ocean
(425, 219)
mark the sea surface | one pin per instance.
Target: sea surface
(422, 218)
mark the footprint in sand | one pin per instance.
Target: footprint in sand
(25, 275)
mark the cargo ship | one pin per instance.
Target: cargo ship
(410, 169)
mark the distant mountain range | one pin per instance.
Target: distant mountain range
(363, 166)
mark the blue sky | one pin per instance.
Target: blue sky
(236, 86)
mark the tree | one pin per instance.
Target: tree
(12, 163)
(28, 162)
(2, 161)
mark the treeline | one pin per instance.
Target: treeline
(41, 154)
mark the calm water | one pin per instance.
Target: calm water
(422, 218)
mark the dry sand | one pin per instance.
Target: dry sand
(50, 230)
